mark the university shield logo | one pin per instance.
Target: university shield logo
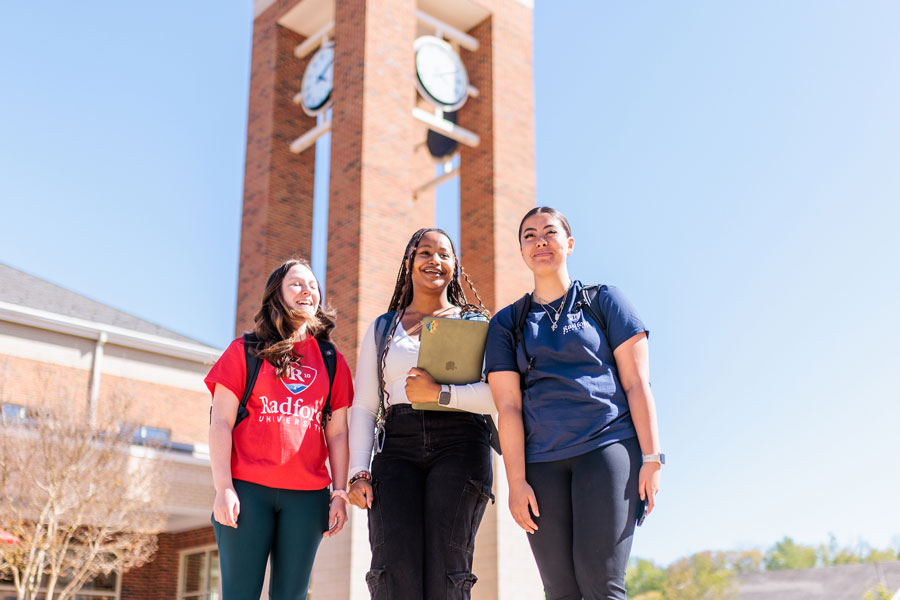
(298, 378)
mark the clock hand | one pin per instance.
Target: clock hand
(321, 76)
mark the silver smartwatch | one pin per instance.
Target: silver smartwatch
(444, 396)
(657, 458)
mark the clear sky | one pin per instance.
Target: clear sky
(733, 167)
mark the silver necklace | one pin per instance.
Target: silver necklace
(558, 313)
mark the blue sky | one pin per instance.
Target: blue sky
(733, 167)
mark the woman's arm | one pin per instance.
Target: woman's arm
(362, 418)
(338, 457)
(226, 506)
(633, 363)
(471, 397)
(508, 399)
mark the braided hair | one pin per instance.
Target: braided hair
(403, 295)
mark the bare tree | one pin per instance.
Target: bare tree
(79, 498)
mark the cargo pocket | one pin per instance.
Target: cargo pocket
(376, 522)
(459, 585)
(375, 579)
(469, 512)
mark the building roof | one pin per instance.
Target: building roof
(18, 287)
(843, 582)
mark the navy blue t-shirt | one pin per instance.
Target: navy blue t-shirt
(574, 402)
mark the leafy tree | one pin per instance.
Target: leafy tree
(786, 554)
(643, 576)
(887, 555)
(879, 592)
(746, 561)
(77, 500)
(701, 576)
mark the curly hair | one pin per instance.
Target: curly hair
(403, 295)
(276, 324)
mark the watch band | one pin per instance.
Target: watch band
(444, 396)
(657, 458)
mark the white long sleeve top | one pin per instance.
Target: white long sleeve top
(402, 355)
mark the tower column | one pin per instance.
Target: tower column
(278, 185)
(371, 210)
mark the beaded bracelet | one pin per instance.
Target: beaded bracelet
(362, 475)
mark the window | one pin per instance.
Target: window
(144, 435)
(13, 413)
(199, 574)
(102, 587)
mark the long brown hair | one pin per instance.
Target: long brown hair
(276, 324)
(403, 293)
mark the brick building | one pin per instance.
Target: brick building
(54, 341)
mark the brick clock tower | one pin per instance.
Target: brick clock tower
(403, 88)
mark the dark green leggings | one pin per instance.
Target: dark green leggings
(288, 524)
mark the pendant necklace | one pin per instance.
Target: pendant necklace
(558, 313)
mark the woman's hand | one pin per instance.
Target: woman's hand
(226, 507)
(521, 497)
(361, 494)
(421, 387)
(648, 483)
(337, 516)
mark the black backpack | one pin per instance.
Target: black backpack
(254, 363)
(587, 302)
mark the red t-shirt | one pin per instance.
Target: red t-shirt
(281, 444)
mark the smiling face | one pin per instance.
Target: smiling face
(545, 243)
(434, 263)
(300, 289)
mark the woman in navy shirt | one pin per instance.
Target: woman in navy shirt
(577, 418)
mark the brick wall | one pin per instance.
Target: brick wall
(497, 183)
(278, 185)
(158, 579)
(36, 383)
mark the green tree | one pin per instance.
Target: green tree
(879, 592)
(876, 555)
(746, 561)
(788, 555)
(643, 576)
(701, 576)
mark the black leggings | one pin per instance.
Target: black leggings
(588, 506)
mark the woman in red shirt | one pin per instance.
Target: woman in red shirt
(272, 494)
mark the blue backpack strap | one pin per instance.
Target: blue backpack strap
(329, 357)
(590, 303)
(520, 315)
(251, 345)
(382, 326)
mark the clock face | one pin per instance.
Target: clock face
(440, 74)
(315, 90)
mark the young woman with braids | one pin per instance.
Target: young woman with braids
(272, 494)
(430, 481)
(569, 369)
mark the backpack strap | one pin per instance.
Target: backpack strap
(520, 315)
(589, 302)
(254, 363)
(382, 326)
(329, 357)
